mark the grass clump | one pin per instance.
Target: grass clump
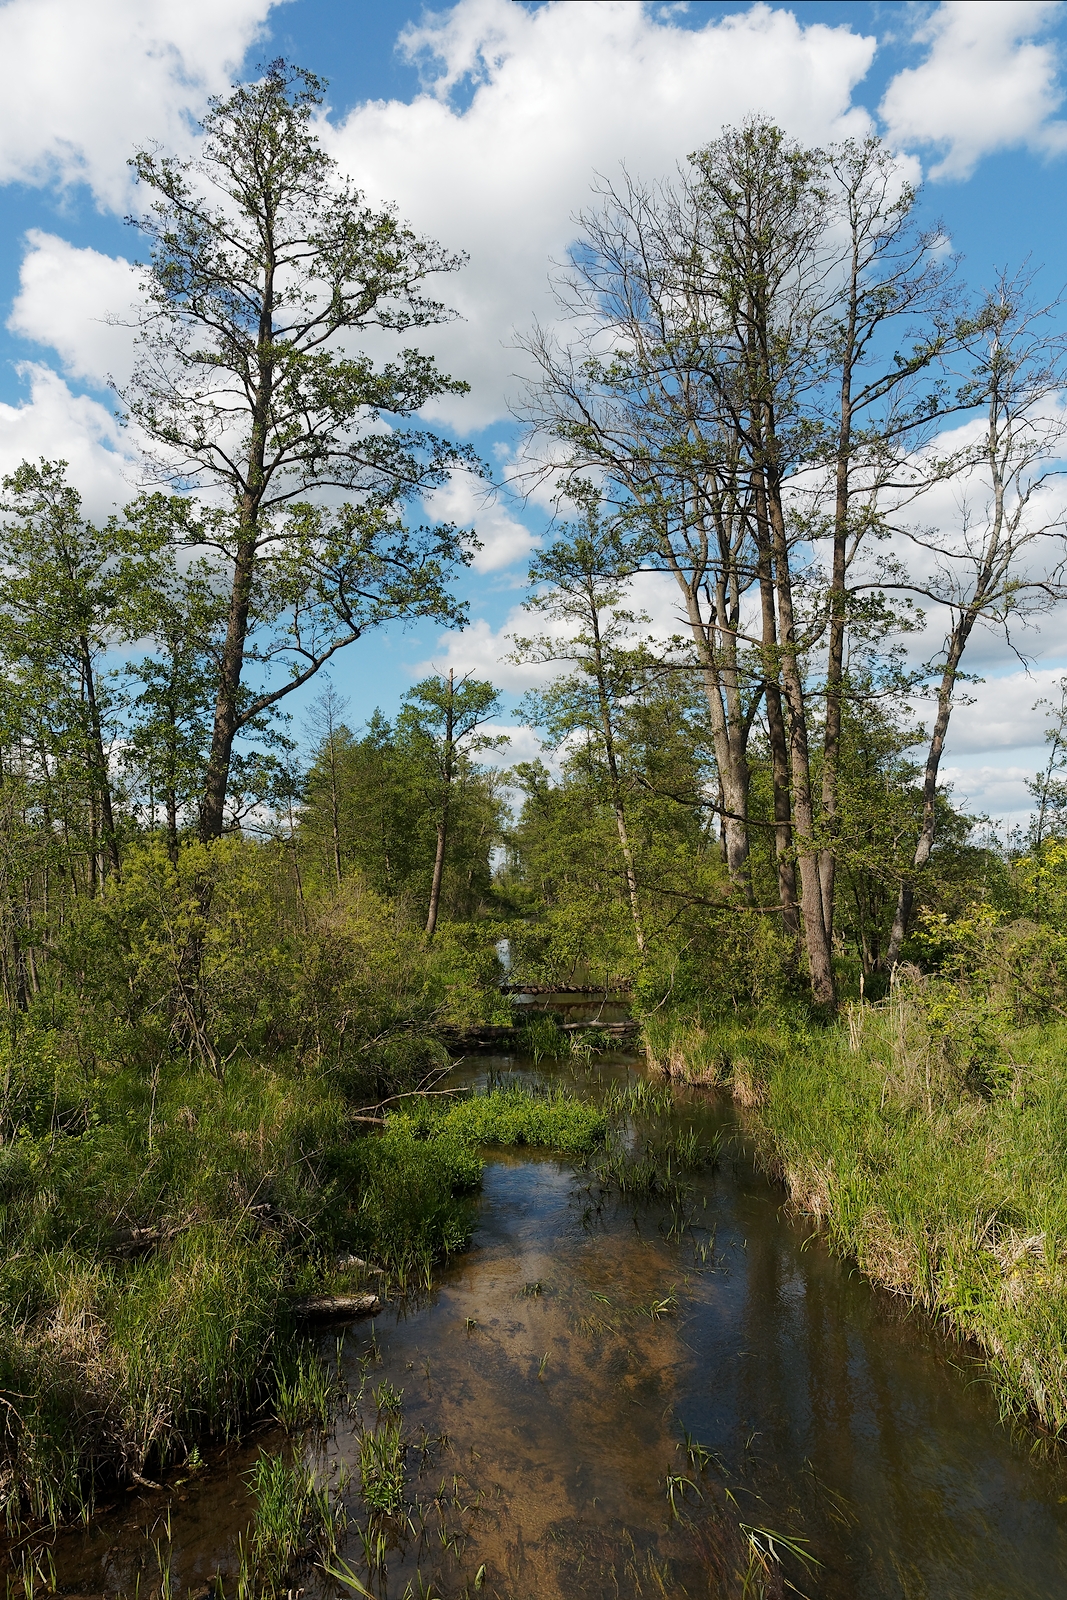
(306, 1390)
(298, 1523)
(405, 1191)
(541, 1036)
(514, 1116)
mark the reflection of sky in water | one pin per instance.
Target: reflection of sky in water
(834, 1415)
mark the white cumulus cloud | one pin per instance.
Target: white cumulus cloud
(998, 792)
(989, 82)
(85, 83)
(54, 423)
(469, 502)
(560, 93)
(1005, 714)
(65, 300)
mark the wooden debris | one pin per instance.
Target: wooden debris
(325, 1307)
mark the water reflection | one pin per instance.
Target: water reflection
(561, 1399)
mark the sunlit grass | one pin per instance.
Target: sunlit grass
(943, 1171)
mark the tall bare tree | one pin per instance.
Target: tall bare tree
(631, 401)
(1006, 558)
(892, 320)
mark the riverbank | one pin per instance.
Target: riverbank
(164, 1234)
(643, 1378)
(932, 1148)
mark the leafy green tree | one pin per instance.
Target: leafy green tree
(171, 693)
(445, 716)
(578, 582)
(1048, 789)
(264, 266)
(68, 592)
(371, 807)
(1008, 556)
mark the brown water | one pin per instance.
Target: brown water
(551, 1377)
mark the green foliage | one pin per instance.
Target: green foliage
(381, 1463)
(264, 267)
(305, 1390)
(373, 992)
(372, 807)
(512, 1117)
(540, 1035)
(403, 1196)
(296, 1523)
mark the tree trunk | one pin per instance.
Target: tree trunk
(438, 871)
(171, 801)
(97, 758)
(728, 737)
(335, 828)
(816, 943)
(224, 728)
(170, 786)
(442, 823)
(776, 732)
(227, 716)
(925, 844)
(835, 656)
(613, 773)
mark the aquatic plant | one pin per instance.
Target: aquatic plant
(541, 1036)
(511, 1116)
(306, 1390)
(382, 1449)
(297, 1523)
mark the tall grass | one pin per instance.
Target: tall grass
(541, 1036)
(931, 1144)
(511, 1116)
(297, 1523)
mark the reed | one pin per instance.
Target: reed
(541, 1037)
(306, 1390)
(297, 1524)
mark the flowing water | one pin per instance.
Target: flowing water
(673, 1397)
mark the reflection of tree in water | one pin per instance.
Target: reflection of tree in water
(772, 1392)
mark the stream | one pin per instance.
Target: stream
(609, 1398)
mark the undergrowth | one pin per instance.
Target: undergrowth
(159, 1231)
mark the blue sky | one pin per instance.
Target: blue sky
(486, 122)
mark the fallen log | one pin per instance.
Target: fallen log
(328, 1307)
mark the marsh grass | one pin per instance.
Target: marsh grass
(382, 1452)
(156, 1230)
(930, 1142)
(549, 1120)
(643, 1162)
(298, 1523)
(541, 1037)
(685, 1047)
(306, 1389)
